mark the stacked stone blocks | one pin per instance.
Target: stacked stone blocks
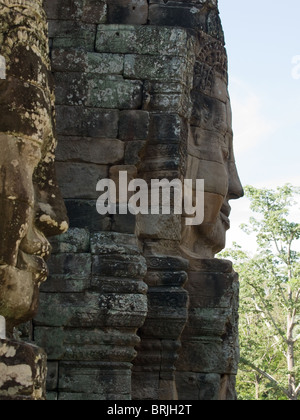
(130, 76)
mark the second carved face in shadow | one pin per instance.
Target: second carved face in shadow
(211, 155)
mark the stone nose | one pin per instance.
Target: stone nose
(235, 188)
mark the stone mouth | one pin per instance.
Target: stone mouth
(225, 213)
(38, 246)
(35, 264)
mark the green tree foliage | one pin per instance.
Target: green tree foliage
(270, 298)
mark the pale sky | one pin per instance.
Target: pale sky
(263, 46)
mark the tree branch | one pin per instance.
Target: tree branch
(297, 296)
(297, 392)
(268, 377)
(268, 313)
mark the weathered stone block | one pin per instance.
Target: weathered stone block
(173, 102)
(128, 11)
(211, 329)
(109, 243)
(168, 301)
(22, 371)
(79, 344)
(118, 39)
(89, 310)
(144, 40)
(163, 151)
(198, 386)
(177, 14)
(65, 283)
(74, 241)
(115, 92)
(166, 278)
(124, 223)
(72, 34)
(119, 266)
(78, 60)
(122, 309)
(143, 388)
(90, 150)
(213, 266)
(198, 354)
(166, 263)
(52, 376)
(92, 380)
(70, 264)
(167, 128)
(109, 64)
(94, 11)
(134, 125)
(120, 285)
(79, 180)
(87, 122)
(68, 310)
(158, 326)
(89, 11)
(111, 92)
(203, 16)
(208, 321)
(159, 226)
(211, 290)
(69, 60)
(156, 68)
(169, 97)
(77, 95)
(163, 164)
(83, 214)
(114, 174)
(67, 10)
(134, 151)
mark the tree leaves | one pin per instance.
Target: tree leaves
(270, 297)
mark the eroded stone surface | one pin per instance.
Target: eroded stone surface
(22, 371)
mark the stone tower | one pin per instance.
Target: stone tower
(136, 306)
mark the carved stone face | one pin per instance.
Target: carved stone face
(31, 210)
(31, 206)
(211, 157)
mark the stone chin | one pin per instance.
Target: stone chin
(216, 238)
(19, 291)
